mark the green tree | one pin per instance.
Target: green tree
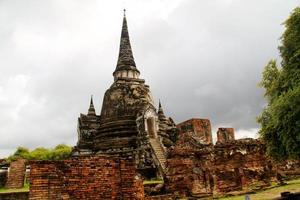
(61, 151)
(21, 152)
(270, 80)
(280, 120)
(40, 153)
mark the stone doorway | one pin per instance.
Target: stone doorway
(151, 127)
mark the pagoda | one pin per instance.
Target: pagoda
(129, 124)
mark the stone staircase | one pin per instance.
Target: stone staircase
(159, 152)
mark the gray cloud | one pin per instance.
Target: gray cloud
(202, 58)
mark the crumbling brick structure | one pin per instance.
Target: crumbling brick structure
(241, 165)
(225, 135)
(16, 174)
(289, 169)
(200, 128)
(85, 177)
(201, 170)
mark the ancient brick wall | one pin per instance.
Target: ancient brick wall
(200, 128)
(233, 166)
(16, 174)
(241, 165)
(88, 177)
(289, 169)
(189, 172)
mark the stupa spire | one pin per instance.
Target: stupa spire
(126, 61)
(91, 110)
(160, 109)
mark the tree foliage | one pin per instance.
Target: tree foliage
(280, 120)
(61, 151)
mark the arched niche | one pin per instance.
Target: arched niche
(151, 123)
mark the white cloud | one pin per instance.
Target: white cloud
(13, 96)
(248, 133)
(208, 55)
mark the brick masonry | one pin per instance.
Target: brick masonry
(16, 174)
(88, 177)
(239, 165)
(200, 128)
(225, 134)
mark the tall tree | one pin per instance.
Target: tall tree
(280, 120)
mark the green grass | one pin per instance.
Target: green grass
(23, 189)
(292, 186)
(147, 182)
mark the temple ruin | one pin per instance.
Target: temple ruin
(129, 124)
(132, 140)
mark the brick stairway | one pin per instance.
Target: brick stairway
(159, 152)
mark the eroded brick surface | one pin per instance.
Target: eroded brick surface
(289, 169)
(88, 177)
(225, 135)
(16, 174)
(200, 128)
(222, 168)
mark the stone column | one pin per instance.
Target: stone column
(16, 174)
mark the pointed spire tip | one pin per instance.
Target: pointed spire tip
(125, 58)
(91, 110)
(91, 103)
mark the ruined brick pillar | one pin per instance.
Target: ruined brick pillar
(243, 178)
(200, 128)
(225, 135)
(16, 174)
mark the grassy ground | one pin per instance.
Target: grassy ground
(147, 182)
(23, 189)
(292, 186)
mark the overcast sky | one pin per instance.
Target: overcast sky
(202, 58)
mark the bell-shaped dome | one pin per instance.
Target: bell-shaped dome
(125, 99)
